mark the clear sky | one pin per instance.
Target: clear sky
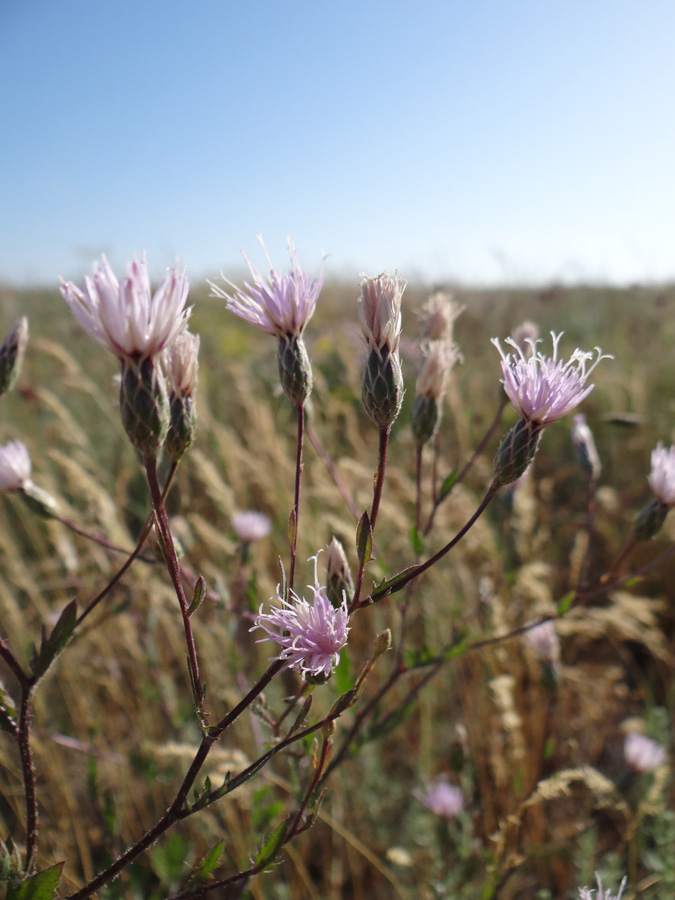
(482, 141)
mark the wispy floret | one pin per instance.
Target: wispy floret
(127, 318)
(643, 754)
(601, 894)
(526, 335)
(181, 363)
(311, 635)
(584, 447)
(441, 798)
(380, 311)
(438, 315)
(662, 476)
(544, 389)
(251, 525)
(281, 305)
(15, 467)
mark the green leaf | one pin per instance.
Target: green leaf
(388, 585)
(416, 541)
(41, 886)
(343, 674)
(364, 539)
(292, 528)
(208, 863)
(268, 852)
(198, 596)
(53, 645)
(168, 860)
(566, 602)
(448, 484)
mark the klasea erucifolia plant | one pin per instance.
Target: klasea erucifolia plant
(310, 638)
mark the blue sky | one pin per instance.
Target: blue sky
(480, 141)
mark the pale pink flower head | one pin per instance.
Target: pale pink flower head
(440, 357)
(543, 389)
(251, 525)
(15, 467)
(127, 318)
(601, 894)
(439, 314)
(662, 476)
(282, 305)
(643, 754)
(441, 798)
(380, 311)
(181, 363)
(543, 641)
(311, 635)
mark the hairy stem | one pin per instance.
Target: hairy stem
(298, 484)
(25, 715)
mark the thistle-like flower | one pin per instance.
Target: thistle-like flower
(542, 390)
(15, 467)
(251, 526)
(643, 754)
(339, 579)
(281, 306)
(601, 894)
(311, 635)
(440, 357)
(438, 315)
(380, 318)
(584, 447)
(441, 798)
(128, 319)
(12, 352)
(662, 482)
(135, 325)
(181, 364)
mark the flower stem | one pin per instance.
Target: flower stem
(298, 485)
(99, 540)
(173, 566)
(25, 715)
(418, 486)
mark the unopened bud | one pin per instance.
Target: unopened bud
(382, 387)
(649, 520)
(584, 447)
(12, 352)
(182, 427)
(295, 371)
(516, 452)
(425, 418)
(382, 643)
(339, 580)
(144, 404)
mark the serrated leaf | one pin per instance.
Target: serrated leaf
(364, 539)
(268, 852)
(53, 645)
(208, 863)
(448, 484)
(416, 541)
(41, 886)
(566, 602)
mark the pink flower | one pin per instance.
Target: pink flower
(544, 389)
(587, 893)
(643, 754)
(662, 476)
(543, 641)
(15, 467)
(251, 526)
(128, 319)
(380, 311)
(181, 363)
(282, 305)
(441, 798)
(311, 635)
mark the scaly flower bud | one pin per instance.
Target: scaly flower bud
(432, 383)
(12, 352)
(380, 318)
(339, 580)
(516, 452)
(181, 364)
(281, 306)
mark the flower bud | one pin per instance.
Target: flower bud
(516, 452)
(382, 643)
(295, 370)
(12, 352)
(584, 447)
(182, 366)
(144, 404)
(380, 318)
(339, 580)
(382, 388)
(649, 520)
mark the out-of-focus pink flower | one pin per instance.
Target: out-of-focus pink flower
(544, 389)
(441, 798)
(282, 305)
(311, 635)
(439, 314)
(643, 754)
(251, 526)
(526, 336)
(662, 476)
(15, 467)
(380, 311)
(543, 642)
(601, 894)
(128, 319)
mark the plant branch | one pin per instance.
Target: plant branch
(298, 484)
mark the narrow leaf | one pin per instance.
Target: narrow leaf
(388, 585)
(416, 541)
(448, 484)
(41, 886)
(198, 596)
(53, 645)
(209, 863)
(566, 602)
(364, 539)
(268, 852)
(292, 525)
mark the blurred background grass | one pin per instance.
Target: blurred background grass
(114, 727)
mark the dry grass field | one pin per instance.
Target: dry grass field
(536, 748)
